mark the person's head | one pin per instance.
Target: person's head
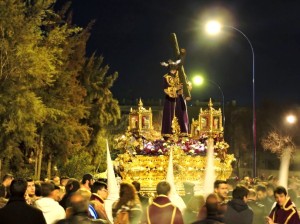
(78, 204)
(163, 188)
(270, 190)
(189, 188)
(261, 192)
(30, 187)
(72, 186)
(211, 204)
(50, 190)
(64, 180)
(240, 192)
(221, 189)
(87, 180)
(7, 179)
(252, 195)
(137, 185)
(127, 194)
(280, 194)
(18, 187)
(100, 188)
(247, 180)
(86, 194)
(56, 180)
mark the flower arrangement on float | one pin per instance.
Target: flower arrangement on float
(141, 145)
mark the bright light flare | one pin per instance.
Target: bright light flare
(198, 80)
(213, 27)
(291, 119)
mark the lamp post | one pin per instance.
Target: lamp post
(214, 27)
(198, 80)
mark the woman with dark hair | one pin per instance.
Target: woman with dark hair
(129, 203)
(72, 186)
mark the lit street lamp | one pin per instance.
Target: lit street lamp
(213, 28)
(198, 80)
(291, 119)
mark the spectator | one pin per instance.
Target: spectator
(30, 192)
(221, 191)
(72, 186)
(238, 212)
(64, 181)
(129, 202)
(16, 210)
(259, 210)
(86, 194)
(188, 191)
(143, 199)
(48, 204)
(6, 181)
(192, 208)
(56, 180)
(3, 200)
(263, 198)
(99, 194)
(211, 205)
(79, 214)
(284, 210)
(162, 210)
(231, 183)
(87, 181)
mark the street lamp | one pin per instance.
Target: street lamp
(198, 80)
(213, 27)
(291, 119)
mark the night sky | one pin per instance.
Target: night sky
(134, 37)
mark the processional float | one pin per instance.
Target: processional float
(145, 153)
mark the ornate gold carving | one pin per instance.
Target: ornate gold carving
(141, 119)
(209, 122)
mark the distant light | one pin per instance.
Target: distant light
(213, 27)
(198, 80)
(291, 119)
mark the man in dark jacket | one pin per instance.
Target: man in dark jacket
(238, 211)
(16, 210)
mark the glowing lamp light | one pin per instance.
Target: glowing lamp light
(291, 119)
(198, 80)
(213, 27)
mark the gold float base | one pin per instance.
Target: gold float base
(150, 170)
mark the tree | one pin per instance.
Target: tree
(103, 108)
(283, 146)
(26, 65)
(54, 102)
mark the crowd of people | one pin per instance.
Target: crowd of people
(65, 200)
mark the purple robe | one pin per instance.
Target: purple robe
(287, 214)
(163, 211)
(174, 105)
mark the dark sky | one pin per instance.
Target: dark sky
(134, 37)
